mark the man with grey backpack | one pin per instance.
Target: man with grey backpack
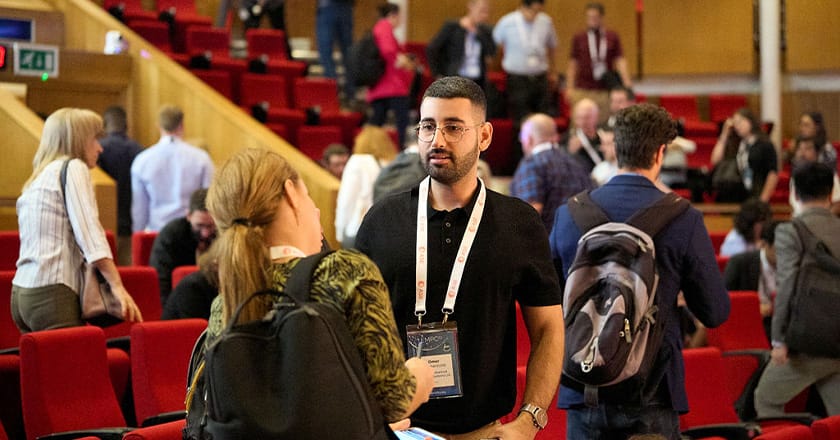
(624, 252)
(806, 329)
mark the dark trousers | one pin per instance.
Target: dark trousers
(399, 105)
(526, 94)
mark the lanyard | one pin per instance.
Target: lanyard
(460, 261)
(531, 45)
(601, 54)
(590, 150)
(277, 252)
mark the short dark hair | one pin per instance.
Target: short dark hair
(450, 87)
(595, 5)
(627, 91)
(115, 119)
(531, 2)
(640, 130)
(752, 211)
(813, 181)
(171, 117)
(386, 9)
(335, 149)
(768, 231)
(198, 199)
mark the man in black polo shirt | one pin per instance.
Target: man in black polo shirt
(482, 252)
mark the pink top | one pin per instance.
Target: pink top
(395, 82)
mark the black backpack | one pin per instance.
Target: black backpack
(815, 303)
(613, 330)
(294, 374)
(365, 65)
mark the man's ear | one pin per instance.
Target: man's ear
(485, 136)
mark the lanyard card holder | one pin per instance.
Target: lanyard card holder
(437, 344)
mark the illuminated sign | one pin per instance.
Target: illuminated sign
(35, 60)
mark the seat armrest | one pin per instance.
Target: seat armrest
(102, 433)
(122, 342)
(730, 431)
(164, 418)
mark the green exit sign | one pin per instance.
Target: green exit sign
(35, 60)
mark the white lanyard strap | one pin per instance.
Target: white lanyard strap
(277, 252)
(587, 146)
(529, 39)
(599, 54)
(460, 261)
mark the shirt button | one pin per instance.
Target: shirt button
(448, 240)
(448, 225)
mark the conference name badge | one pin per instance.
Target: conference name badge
(437, 344)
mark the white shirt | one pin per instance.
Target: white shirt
(355, 194)
(526, 43)
(163, 177)
(49, 249)
(604, 171)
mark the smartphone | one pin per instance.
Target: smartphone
(417, 434)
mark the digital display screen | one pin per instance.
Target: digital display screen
(15, 29)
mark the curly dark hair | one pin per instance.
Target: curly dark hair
(640, 130)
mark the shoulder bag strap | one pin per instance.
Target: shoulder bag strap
(298, 284)
(815, 247)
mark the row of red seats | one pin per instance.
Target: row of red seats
(54, 398)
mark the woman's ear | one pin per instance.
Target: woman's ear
(292, 193)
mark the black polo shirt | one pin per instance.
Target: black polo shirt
(510, 260)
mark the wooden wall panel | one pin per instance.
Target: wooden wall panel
(686, 37)
(812, 35)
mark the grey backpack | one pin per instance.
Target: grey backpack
(613, 331)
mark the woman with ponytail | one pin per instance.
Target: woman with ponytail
(267, 222)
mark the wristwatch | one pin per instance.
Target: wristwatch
(538, 414)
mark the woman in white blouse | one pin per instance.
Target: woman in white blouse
(57, 238)
(373, 149)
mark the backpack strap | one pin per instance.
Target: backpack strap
(298, 284)
(815, 247)
(653, 218)
(585, 213)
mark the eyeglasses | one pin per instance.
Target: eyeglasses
(452, 133)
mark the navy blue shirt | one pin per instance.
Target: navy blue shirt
(118, 152)
(686, 262)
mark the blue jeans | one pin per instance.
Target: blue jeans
(617, 422)
(334, 23)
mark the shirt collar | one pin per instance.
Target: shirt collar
(467, 208)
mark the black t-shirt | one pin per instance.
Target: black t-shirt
(509, 260)
(762, 160)
(118, 153)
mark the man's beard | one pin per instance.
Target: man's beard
(459, 167)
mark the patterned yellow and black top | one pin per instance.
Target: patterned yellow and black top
(352, 283)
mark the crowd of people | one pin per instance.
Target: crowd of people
(430, 250)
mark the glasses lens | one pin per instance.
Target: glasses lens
(426, 132)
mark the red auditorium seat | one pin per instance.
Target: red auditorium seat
(180, 272)
(685, 107)
(796, 432)
(271, 42)
(312, 139)
(155, 32)
(255, 88)
(201, 39)
(523, 341)
(165, 431)
(56, 398)
(160, 355)
(141, 247)
(722, 262)
(418, 49)
(11, 417)
(500, 155)
(499, 79)
(3, 435)
(279, 129)
(141, 282)
(186, 17)
(9, 249)
(219, 80)
(702, 157)
(323, 93)
(724, 106)
(827, 428)
(9, 334)
(131, 10)
(717, 238)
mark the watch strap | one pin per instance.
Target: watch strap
(536, 413)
